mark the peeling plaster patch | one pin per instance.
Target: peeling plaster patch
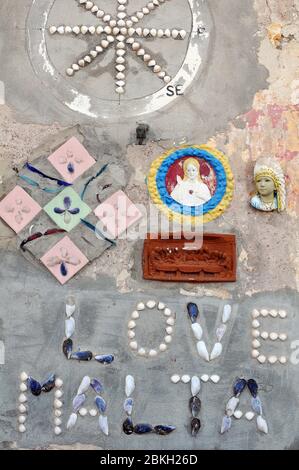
(82, 104)
(243, 258)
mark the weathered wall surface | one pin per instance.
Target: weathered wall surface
(246, 104)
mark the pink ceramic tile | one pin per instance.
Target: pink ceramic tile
(18, 209)
(71, 160)
(117, 214)
(64, 260)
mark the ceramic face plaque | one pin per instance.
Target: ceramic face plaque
(71, 160)
(17, 209)
(67, 209)
(117, 214)
(192, 184)
(64, 260)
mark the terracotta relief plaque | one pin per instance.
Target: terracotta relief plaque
(183, 260)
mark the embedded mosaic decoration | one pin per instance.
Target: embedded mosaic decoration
(100, 404)
(270, 185)
(67, 209)
(232, 406)
(141, 428)
(118, 32)
(18, 209)
(67, 346)
(170, 322)
(193, 184)
(262, 336)
(64, 260)
(29, 384)
(187, 260)
(71, 160)
(117, 214)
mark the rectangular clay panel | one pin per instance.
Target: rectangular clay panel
(176, 260)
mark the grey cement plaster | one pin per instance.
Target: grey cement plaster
(32, 328)
(224, 89)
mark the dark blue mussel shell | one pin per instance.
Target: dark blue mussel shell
(192, 312)
(67, 348)
(143, 428)
(257, 405)
(104, 358)
(49, 383)
(34, 386)
(101, 404)
(96, 385)
(128, 426)
(163, 429)
(195, 406)
(253, 387)
(70, 167)
(63, 269)
(81, 356)
(239, 386)
(195, 426)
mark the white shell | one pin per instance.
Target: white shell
(76, 30)
(216, 351)
(103, 424)
(283, 360)
(84, 386)
(23, 387)
(131, 334)
(167, 312)
(175, 378)
(256, 344)
(22, 428)
(272, 359)
(83, 412)
(183, 33)
(232, 405)
(22, 419)
(146, 58)
(169, 330)
(141, 352)
(57, 430)
(168, 339)
(22, 398)
(215, 379)
(273, 313)
(265, 335)
(161, 306)
(227, 310)
(69, 310)
(57, 413)
(133, 345)
(130, 385)
(238, 414)
(256, 324)
(70, 72)
(57, 422)
(170, 321)
(185, 379)
(195, 385)
(262, 359)
(255, 313)
(135, 315)
(197, 330)
(23, 376)
(283, 336)
(140, 306)
(282, 313)
(202, 350)
(151, 304)
(58, 382)
(72, 421)
(69, 327)
(57, 403)
(22, 408)
(93, 412)
(255, 333)
(131, 324)
(249, 415)
(174, 33)
(120, 90)
(152, 353)
(273, 336)
(262, 424)
(255, 353)
(204, 377)
(162, 347)
(52, 29)
(264, 312)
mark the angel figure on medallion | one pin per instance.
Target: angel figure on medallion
(270, 186)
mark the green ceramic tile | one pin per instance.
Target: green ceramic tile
(67, 209)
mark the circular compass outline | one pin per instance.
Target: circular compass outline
(108, 109)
